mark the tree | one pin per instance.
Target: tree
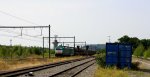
(124, 39)
(139, 51)
(146, 43)
(147, 53)
(132, 40)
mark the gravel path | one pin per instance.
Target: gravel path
(54, 70)
(89, 72)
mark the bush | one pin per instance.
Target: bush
(147, 53)
(19, 51)
(52, 51)
(37, 50)
(5, 52)
(139, 51)
(101, 51)
(100, 59)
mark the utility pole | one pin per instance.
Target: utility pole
(49, 41)
(43, 48)
(108, 39)
(74, 43)
(10, 42)
(11, 47)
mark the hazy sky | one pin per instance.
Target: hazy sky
(88, 20)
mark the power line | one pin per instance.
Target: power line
(19, 18)
(20, 38)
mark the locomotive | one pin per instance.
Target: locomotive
(64, 51)
(70, 51)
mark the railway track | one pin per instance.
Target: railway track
(74, 71)
(27, 71)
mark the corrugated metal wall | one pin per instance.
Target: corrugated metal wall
(119, 54)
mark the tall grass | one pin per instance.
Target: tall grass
(103, 70)
(110, 72)
(11, 52)
(30, 61)
(100, 59)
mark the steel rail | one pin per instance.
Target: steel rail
(76, 73)
(37, 68)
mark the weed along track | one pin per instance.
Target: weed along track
(53, 69)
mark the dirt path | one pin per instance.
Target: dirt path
(144, 69)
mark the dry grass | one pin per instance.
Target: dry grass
(3, 65)
(29, 62)
(144, 71)
(110, 72)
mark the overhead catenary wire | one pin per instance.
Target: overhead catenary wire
(19, 18)
(23, 26)
(20, 38)
(8, 31)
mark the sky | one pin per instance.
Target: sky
(88, 20)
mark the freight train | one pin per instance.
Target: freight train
(70, 51)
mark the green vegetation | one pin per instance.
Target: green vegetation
(103, 71)
(147, 53)
(133, 40)
(141, 47)
(12, 52)
(100, 59)
(139, 51)
(14, 57)
(110, 72)
(30, 61)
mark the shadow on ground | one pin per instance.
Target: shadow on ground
(145, 70)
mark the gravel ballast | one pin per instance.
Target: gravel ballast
(89, 72)
(54, 70)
